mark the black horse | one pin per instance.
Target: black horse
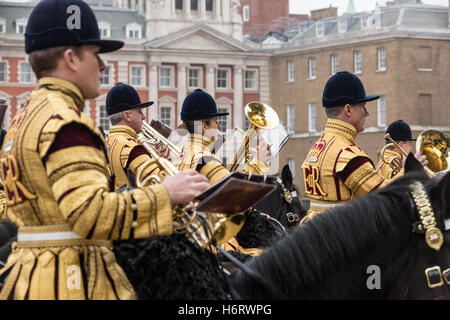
(283, 203)
(371, 248)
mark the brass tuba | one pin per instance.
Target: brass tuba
(434, 145)
(396, 162)
(200, 228)
(261, 116)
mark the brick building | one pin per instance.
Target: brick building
(261, 16)
(399, 52)
(171, 48)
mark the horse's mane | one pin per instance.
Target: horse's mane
(332, 238)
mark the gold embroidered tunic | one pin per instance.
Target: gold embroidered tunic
(61, 202)
(122, 140)
(336, 170)
(198, 147)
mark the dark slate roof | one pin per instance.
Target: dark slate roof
(117, 18)
(422, 18)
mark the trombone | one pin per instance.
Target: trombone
(261, 116)
(153, 137)
(396, 162)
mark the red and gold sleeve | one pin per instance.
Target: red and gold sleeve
(138, 156)
(80, 185)
(355, 169)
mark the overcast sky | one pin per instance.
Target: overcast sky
(305, 6)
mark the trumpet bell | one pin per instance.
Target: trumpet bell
(434, 145)
(261, 115)
(225, 226)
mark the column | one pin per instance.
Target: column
(226, 6)
(216, 9)
(211, 79)
(153, 110)
(238, 108)
(187, 9)
(182, 85)
(141, 7)
(202, 8)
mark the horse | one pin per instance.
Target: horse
(373, 247)
(283, 204)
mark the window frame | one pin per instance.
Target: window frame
(255, 79)
(6, 69)
(290, 71)
(246, 13)
(171, 114)
(227, 80)
(356, 62)
(290, 118)
(200, 77)
(383, 59)
(171, 76)
(134, 27)
(380, 112)
(334, 63)
(19, 73)
(312, 125)
(310, 75)
(143, 75)
(320, 29)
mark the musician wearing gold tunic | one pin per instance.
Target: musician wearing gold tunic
(126, 154)
(199, 115)
(336, 169)
(400, 133)
(53, 165)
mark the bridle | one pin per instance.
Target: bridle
(288, 197)
(437, 274)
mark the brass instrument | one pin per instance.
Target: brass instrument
(396, 162)
(219, 227)
(261, 116)
(434, 145)
(155, 138)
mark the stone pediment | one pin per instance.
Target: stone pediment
(199, 38)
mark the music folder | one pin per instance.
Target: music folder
(235, 193)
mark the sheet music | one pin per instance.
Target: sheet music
(276, 138)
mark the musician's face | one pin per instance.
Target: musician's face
(134, 118)
(357, 116)
(211, 128)
(406, 145)
(88, 73)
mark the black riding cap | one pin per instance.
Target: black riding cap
(199, 105)
(54, 23)
(123, 97)
(344, 88)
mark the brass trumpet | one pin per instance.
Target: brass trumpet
(434, 145)
(154, 138)
(396, 162)
(199, 227)
(261, 116)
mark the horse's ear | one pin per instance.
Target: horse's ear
(286, 176)
(412, 164)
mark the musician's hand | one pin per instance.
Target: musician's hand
(265, 215)
(421, 158)
(163, 151)
(185, 186)
(263, 152)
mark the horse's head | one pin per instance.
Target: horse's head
(283, 203)
(429, 263)
(362, 250)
